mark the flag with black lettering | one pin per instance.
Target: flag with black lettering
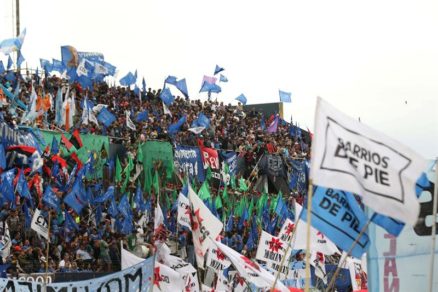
(184, 211)
(216, 260)
(271, 250)
(287, 230)
(353, 157)
(39, 224)
(167, 279)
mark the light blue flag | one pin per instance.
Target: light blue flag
(142, 116)
(10, 63)
(128, 79)
(175, 128)
(166, 96)
(222, 78)
(124, 207)
(2, 67)
(338, 215)
(201, 121)
(210, 87)
(285, 96)
(77, 199)
(170, 80)
(182, 86)
(143, 84)
(242, 99)
(20, 59)
(50, 198)
(2, 157)
(58, 66)
(58, 107)
(218, 69)
(13, 44)
(106, 117)
(136, 90)
(46, 65)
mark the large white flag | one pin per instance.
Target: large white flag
(287, 230)
(39, 224)
(166, 279)
(350, 156)
(216, 260)
(271, 250)
(184, 211)
(249, 270)
(129, 259)
(204, 226)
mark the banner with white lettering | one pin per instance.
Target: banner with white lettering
(39, 224)
(402, 263)
(350, 156)
(188, 160)
(135, 278)
(272, 250)
(216, 260)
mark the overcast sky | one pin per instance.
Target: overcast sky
(377, 60)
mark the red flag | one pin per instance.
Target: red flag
(75, 139)
(66, 142)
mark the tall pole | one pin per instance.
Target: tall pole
(17, 17)
(432, 249)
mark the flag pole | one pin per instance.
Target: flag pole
(432, 249)
(48, 246)
(309, 219)
(333, 279)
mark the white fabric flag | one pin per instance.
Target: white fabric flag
(287, 230)
(192, 283)
(204, 226)
(317, 260)
(216, 260)
(166, 110)
(249, 270)
(318, 241)
(5, 240)
(129, 122)
(129, 259)
(184, 211)
(39, 224)
(271, 249)
(166, 279)
(196, 130)
(351, 156)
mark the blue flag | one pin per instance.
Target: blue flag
(229, 226)
(70, 223)
(58, 66)
(143, 84)
(27, 216)
(170, 80)
(281, 208)
(106, 117)
(285, 96)
(243, 218)
(77, 199)
(13, 44)
(210, 87)
(50, 198)
(222, 78)
(20, 59)
(218, 69)
(182, 86)
(69, 57)
(22, 187)
(105, 197)
(46, 65)
(166, 96)
(112, 210)
(175, 128)
(250, 243)
(142, 116)
(242, 99)
(10, 63)
(55, 146)
(2, 157)
(124, 207)
(201, 121)
(128, 79)
(338, 215)
(2, 67)
(98, 215)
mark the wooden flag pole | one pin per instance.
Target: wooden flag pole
(333, 279)
(309, 221)
(433, 239)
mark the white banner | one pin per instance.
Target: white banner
(272, 250)
(216, 260)
(184, 211)
(287, 230)
(166, 279)
(39, 224)
(350, 156)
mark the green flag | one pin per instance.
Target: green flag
(218, 202)
(118, 170)
(154, 152)
(204, 193)
(156, 183)
(225, 195)
(233, 182)
(140, 153)
(208, 174)
(242, 185)
(251, 207)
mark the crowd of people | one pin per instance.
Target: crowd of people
(90, 243)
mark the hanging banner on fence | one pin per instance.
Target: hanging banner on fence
(188, 160)
(403, 263)
(135, 278)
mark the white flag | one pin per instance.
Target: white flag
(129, 123)
(166, 279)
(350, 156)
(216, 260)
(129, 259)
(204, 226)
(197, 130)
(166, 110)
(39, 224)
(287, 230)
(249, 270)
(184, 211)
(317, 260)
(5, 240)
(272, 250)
